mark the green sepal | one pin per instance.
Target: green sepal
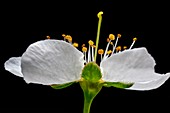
(61, 86)
(91, 72)
(117, 84)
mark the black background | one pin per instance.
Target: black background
(23, 23)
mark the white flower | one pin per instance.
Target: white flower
(50, 62)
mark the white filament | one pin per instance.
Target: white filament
(132, 45)
(92, 53)
(114, 47)
(89, 55)
(106, 49)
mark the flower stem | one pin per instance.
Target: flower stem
(87, 103)
(90, 89)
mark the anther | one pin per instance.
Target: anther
(124, 47)
(134, 40)
(108, 39)
(63, 35)
(109, 52)
(94, 46)
(83, 45)
(84, 49)
(48, 37)
(119, 35)
(69, 38)
(114, 47)
(100, 51)
(111, 37)
(75, 44)
(91, 42)
(118, 48)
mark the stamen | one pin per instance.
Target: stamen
(89, 55)
(84, 49)
(118, 48)
(109, 52)
(119, 35)
(109, 40)
(94, 46)
(69, 38)
(106, 49)
(83, 45)
(75, 44)
(48, 37)
(114, 47)
(111, 37)
(63, 35)
(91, 42)
(124, 47)
(92, 53)
(100, 52)
(99, 15)
(134, 40)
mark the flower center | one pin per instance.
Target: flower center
(93, 49)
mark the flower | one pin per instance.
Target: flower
(59, 64)
(52, 61)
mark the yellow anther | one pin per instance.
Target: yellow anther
(118, 48)
(109, 52)
(108, 39)
(75, 44)
(99, 14)
(94, 46)
(48, 37)
(91, 42)
(83, 45)
(124, 47)
(84, 49)
(100, 51)
(134, 39)
(63, 35)
(118, 35)
(111, 37)
(69, 38)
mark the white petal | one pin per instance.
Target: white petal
(150, 84)
(51, 62)
(135, 65)
(13, 65)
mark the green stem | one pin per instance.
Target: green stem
(87, 103)
(90, 89)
